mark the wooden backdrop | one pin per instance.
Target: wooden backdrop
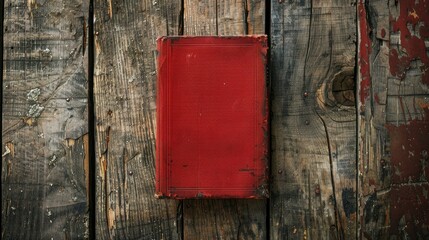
(349, 106)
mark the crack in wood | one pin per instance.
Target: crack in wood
(338, 225)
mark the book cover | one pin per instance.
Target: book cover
(212, 117)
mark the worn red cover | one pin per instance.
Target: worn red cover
(212, 117)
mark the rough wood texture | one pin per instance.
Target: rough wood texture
(44, 120)
(124, 82)
(313, 126)
(393, 124)
(200, 17)
(231, 17)
(224, 219)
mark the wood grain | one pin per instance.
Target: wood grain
(393, 123)
(313, 126)
(231, 17)
(200, 17)
(224, 219)
(44, 120)
(125, 111)
(315, 139)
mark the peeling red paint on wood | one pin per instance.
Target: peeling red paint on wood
(394, 128)
(212, 117)
(413, 26)
(364, 52)
(409, 217)
(409, 203)
(383, 33)
(409, 151)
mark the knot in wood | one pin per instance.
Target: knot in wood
(344, 88)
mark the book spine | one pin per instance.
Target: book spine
(161, 129)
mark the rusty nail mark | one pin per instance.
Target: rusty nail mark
(383, 32)
(317, 189)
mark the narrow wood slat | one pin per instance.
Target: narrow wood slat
(44, 120)
(124, 94)
(393, 123)
(313, 126)
(224, 219)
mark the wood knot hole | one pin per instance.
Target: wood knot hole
(344, 88)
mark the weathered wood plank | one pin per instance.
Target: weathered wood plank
(255, 13)
(44, 120)
(224, 219)
(124, 92)
(232, 17)
(200, 17)
(313, 126)
(393, 124)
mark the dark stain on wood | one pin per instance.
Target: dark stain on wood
(349, 201)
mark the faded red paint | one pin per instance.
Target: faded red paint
(414, 15)
(409, 217)
(376, 98)
(409, 195)
(408, 209)
(409, 206)
(409, 151)
(383, 32)
(364, 53)
(212, 116)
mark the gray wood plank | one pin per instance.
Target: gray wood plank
(313, 126)
(125, 111)
(44, 120)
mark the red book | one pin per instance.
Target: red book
(212, 117)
